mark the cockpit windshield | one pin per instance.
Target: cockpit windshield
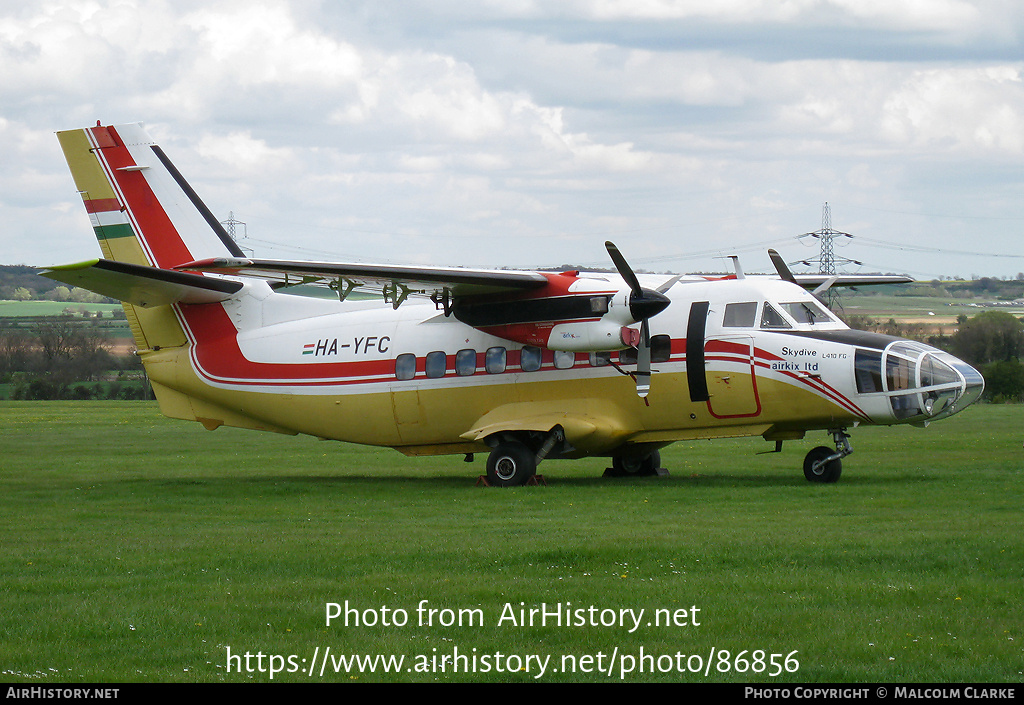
(921, 382)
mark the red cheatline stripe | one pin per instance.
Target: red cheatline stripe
(158, 232)
(102, 205)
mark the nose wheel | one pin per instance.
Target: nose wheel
(822, 464)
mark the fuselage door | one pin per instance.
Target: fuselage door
(731, 378)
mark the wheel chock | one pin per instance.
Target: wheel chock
(481, 481)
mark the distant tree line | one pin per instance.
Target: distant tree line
(63, 357)
(23, 283)
(993, 342)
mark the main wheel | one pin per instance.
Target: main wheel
(828, 472)
(510, 464)
(635, 466)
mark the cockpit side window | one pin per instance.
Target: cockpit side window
(868, 368)
(770, 318)
(806, 312)
(740, 315)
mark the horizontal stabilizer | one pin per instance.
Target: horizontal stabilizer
(142, 286)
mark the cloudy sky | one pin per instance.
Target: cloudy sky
(525, 133)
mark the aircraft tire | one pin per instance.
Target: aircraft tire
(625, 466)
(829, 472)
(510, 465)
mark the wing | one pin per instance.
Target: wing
(808, 281)
(826, 281)
(396, 281)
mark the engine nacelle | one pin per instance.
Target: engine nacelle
(592, 336)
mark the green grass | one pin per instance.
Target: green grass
(138, 548)
(11, 309)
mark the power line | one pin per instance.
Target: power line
(938, 250)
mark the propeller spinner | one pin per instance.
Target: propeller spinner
(643, 303)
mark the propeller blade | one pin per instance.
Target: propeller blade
(825, 286)
(624, 269)
(643, 362)
(783, 270)
(669, 284)
(780, 267)
(643, 303)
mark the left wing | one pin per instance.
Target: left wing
(826, 281)
(808, 281)
(397, 282)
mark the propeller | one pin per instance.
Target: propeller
(781, 267)
(643, 303)
(784, 273)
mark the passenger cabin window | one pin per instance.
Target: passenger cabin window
(740, 315)
(661, 350)
(770, 318)
(465, 362)
(494, 360)
(530, 358)
(436, 363)
(600, 359)
(405, 366)
(564, 359)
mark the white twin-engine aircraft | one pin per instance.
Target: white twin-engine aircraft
(525, 365)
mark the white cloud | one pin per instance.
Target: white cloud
(446, 126)
(961, 109)
(883, 14)
(241, 151)
(266, 46)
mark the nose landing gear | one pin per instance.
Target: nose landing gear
(822, 464)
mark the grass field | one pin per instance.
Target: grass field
(919, 309)
(137, 548)
(13, 309)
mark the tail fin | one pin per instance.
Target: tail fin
(143, 213)
(142, 210)
(149, 220)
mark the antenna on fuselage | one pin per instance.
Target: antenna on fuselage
(736, 266)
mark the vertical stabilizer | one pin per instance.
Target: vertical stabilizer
(142, 209)
(143, 212)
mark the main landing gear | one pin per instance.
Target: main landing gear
(634, 465)
(513, 462)
(510, 464)
(823, 464)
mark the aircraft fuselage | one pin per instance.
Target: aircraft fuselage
(416, 379)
